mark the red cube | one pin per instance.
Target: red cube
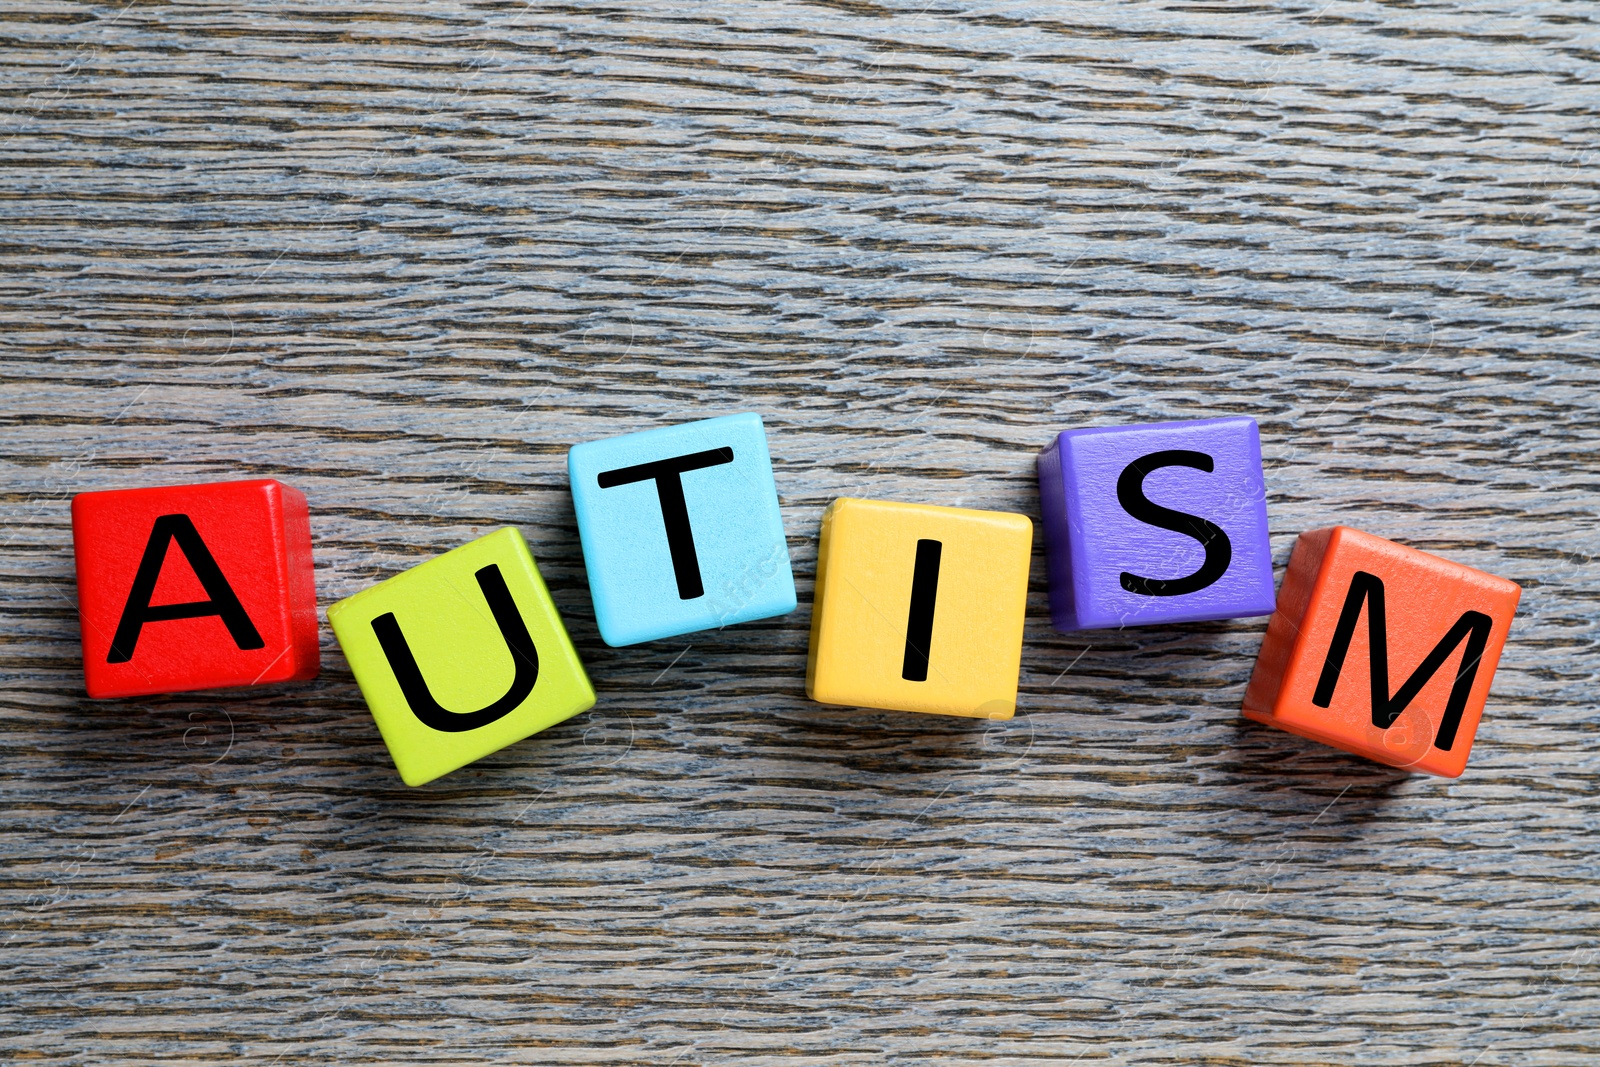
(1381, 650)
(194, 587)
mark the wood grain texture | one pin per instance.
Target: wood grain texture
(402, 255)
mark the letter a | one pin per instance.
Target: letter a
(222, 603)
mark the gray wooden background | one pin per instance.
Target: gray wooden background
(403, 254)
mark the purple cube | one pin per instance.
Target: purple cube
(1165, 522)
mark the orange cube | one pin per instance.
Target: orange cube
(1355, 611)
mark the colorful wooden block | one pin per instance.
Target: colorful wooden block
(187, 587)
(1381, 650)
(919, 608)
(461, 656)
(1160, 523)
(680, 529)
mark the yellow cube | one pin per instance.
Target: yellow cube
(919, 608)
(461, 656)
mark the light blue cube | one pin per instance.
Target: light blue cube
(680, 529)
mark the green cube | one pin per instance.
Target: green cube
(461, 656)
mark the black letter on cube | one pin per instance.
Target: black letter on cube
(1130, 494)
(919, 621)
(223, 602)
(674, 512)
(415, 687)
(1472, 627)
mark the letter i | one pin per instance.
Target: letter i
(919, 621)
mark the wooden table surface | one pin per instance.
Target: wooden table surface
(403, 255)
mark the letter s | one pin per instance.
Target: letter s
(1130, 494)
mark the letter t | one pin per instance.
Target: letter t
(674, 512)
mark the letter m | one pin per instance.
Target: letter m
(1472, 627)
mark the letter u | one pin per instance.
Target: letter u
(415, 688)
